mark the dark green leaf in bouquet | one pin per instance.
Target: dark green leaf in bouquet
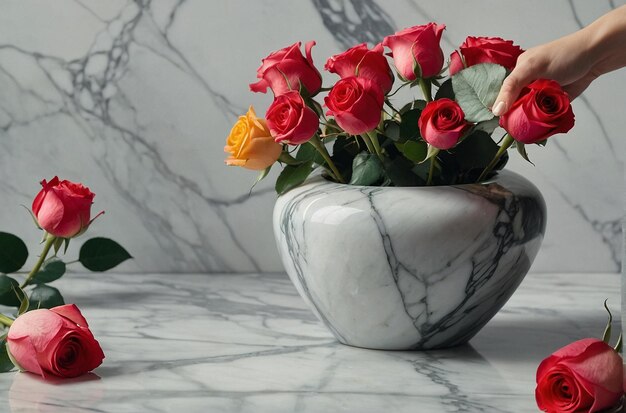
(409, 128)
(5, 362)
(413, 150)
(44, 296)
(13, 253)
(416, 104)
(51, 270)
(445, 90)
(292, 176)
(392, 130)
(10, 291)
(487, 126)
(307, 152)
(102, 254)
(345, 149)
(399, 171)
(366, 170)
(476, 89)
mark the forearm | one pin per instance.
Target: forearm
(607, 40)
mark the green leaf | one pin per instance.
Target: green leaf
(5, 361)
(445, 90)
(13, 253)
(399, 171)
(9, 291)
(44, 296)
(307, 152)
(366, 169)
(51, 270)
(293, 176)
(488, 126)
(413, 150)
(476, 89)
(521, 149)
(475, 151)
(101, 254)
(409, 128)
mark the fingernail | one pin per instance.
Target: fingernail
(499, 108)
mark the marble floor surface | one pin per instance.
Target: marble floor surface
(246, 343)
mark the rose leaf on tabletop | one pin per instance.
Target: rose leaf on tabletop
(102, 254)
(476, 89)
(13, 253)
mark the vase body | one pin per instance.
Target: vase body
(400, 268)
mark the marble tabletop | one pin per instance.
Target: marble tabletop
(247, 343)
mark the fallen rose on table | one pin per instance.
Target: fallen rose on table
(584, 376)
(57, 341)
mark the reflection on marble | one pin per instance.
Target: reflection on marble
(134, 98)
(247, 343)
(409, 268)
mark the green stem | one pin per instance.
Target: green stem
(371, 147)
(6, 320)
(426, 90)
(506, 144)
(319, 145)
(46, 248)
(374, 139)
(431, 170)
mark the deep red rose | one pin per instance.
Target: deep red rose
(356, 103)
(542, 110)
(442, 123)
(54, 342)
(290, 120)
(584, 376)
(287, 69)
(417, 44)
(63, 208)
(475, 50)
(359, 61)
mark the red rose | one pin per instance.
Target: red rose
(359, 61)
(442, 123)
(63, 208)
(356, 103)
(286, 70)
(584, 376)
(475, 50)
(417, 44)
(542, 110)
(290, 120)
(55, 342)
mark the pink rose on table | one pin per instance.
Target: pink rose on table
(584, 376)
(54, 342)
(475, 50)
(442, 123)
(418, 44)
(359, 61)
(290, 120)
(287, 69)
(542, 110)
(356, 103)
(63, 208)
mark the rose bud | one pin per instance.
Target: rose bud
(359, 61)
(417, 44)
(356, 103)
(55, 342)
(584, 376)
(290, 120)
(63, 208)
(287, 69)
(442, 123)
(475, 50)
(250, 143)
(542, 110)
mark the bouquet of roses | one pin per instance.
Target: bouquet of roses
(442, 139)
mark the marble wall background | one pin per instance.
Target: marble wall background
(134, 98)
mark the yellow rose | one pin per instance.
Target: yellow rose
(250, 143)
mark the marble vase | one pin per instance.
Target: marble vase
(400, 268)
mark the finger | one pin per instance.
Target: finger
(511, 89)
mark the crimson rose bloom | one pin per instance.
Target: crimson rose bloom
(475, 50)
(55, 342)
(290, 120)
(542, 110)
(356, 103)
(63, 208)
(442, 123)
(361, 62)
(417, 44)
(286, 69)
(584, 376)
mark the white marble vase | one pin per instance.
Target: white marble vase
(399, 268)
